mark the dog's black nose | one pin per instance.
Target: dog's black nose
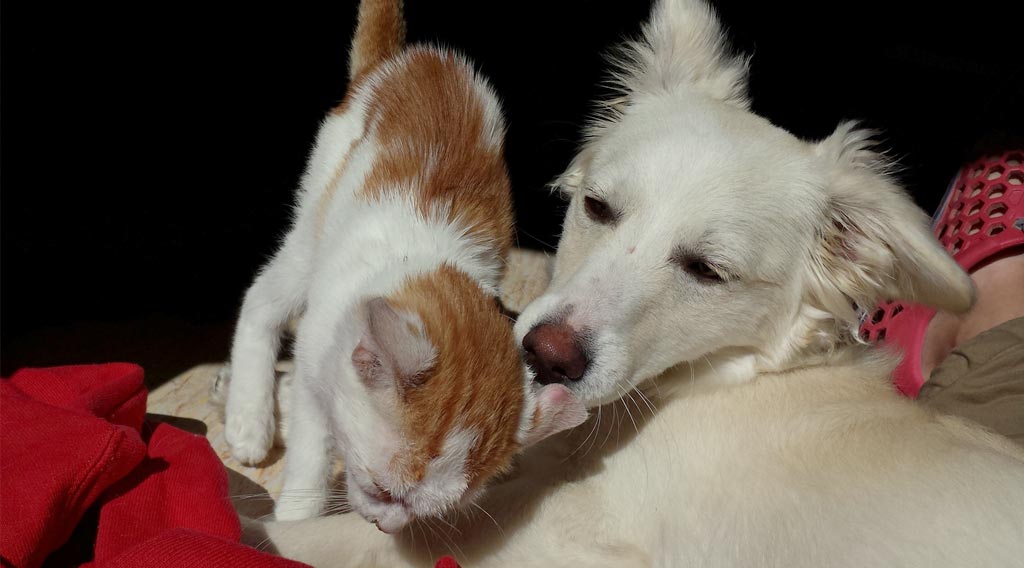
(555, 353)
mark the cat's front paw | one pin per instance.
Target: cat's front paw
(250, 434)
(297, 509)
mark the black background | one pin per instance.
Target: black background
(150, 152)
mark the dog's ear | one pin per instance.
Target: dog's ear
(571, 179)
(875, 243)
(683, 48)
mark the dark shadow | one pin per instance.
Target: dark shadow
(250, 499)
(254, 534)
(274, 454)
(80, 547)
(190, 425)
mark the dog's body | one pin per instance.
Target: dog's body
(716, 252)
(820, 467)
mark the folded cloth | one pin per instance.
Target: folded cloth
(72, 440)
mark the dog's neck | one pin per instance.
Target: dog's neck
(811, 338)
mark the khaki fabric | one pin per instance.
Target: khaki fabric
(983, 380)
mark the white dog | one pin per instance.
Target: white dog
(712, 262)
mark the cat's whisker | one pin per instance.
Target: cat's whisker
(650, 404)
(261, 545)
(549, 245)
(592, 430)
(713, 370)
(435, 532)
(493, 520)
(635, 403)
(657, 387)
(625, 407)
(426, 539)
(298, 500)
(612, 426)
(412, 536)
(447, 522)
(253, 497)
(597, 432)
(339, 509)
(450, 542)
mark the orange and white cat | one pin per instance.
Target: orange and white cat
(405, 363)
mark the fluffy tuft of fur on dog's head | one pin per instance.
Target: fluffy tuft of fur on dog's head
(681, 47)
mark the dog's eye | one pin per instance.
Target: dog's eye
(702, 270)
(598, 210)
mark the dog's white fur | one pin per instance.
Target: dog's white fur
(774, 439)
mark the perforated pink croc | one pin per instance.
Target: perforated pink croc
(981, 215)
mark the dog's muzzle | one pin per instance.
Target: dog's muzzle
(556, 352)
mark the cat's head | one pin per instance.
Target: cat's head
(447, 402)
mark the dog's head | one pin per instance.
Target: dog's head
(697, 228)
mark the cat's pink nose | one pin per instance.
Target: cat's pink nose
(554, 352)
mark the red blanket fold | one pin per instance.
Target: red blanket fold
(71, 439)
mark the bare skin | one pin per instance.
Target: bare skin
(1000, 285)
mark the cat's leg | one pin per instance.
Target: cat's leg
(276, 294)
(307, 466)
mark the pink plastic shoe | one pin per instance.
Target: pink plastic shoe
(981, 215)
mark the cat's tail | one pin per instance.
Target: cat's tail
(380, 35)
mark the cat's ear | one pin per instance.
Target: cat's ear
(555, 409)
(394, 349)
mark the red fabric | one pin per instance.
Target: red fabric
(59, 453)
(180, 484)
(446, 562)
(72, 440)
(175, 548)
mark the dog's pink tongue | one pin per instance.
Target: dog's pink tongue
(557, 409)
(386, 528)
(392, 522)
